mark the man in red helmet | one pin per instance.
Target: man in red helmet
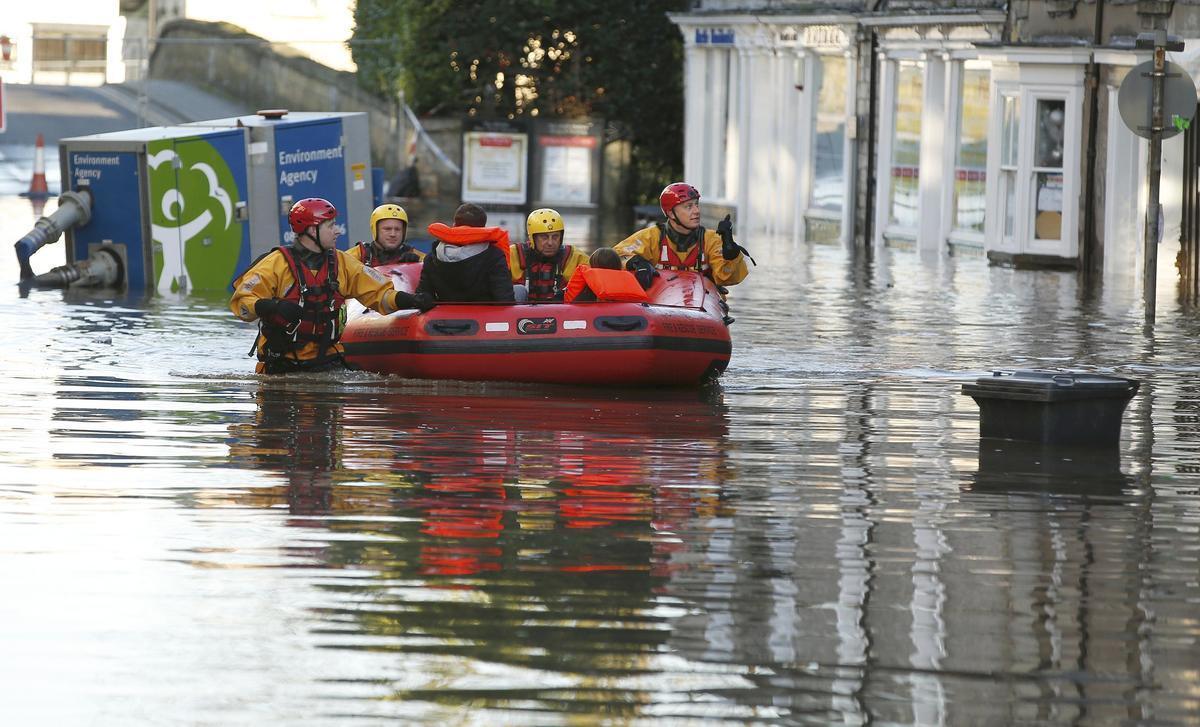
(682, 244)
(299, 325)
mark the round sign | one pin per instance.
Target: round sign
(1179, 98)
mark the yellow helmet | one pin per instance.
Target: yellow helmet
(388, 212)
(544, 220)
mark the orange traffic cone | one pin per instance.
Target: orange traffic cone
(37, 185)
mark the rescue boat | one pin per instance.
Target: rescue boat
(679, 338)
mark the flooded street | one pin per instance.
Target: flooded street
(819, 540)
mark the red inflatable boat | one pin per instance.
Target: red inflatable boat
(678, 339)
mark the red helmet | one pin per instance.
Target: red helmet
(676, 194)
(310, 211)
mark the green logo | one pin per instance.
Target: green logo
(196, 236)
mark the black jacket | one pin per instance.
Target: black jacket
(482, 277)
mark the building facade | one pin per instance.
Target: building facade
(947, 126)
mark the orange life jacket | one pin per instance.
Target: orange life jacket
(610, 286)
(464, 235)
(695, 259)
(543, 278)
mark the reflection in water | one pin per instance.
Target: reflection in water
(532, 532)
(824, 540)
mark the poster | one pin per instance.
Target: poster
(494, 167)
(567, 169)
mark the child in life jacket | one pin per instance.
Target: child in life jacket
(603, 280)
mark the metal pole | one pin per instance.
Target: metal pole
(1150, 244)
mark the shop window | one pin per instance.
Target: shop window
(1048, 169)
(970, 159)
(906, 145)
(829, 135)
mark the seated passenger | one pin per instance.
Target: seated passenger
(682, 244)
(468, 262)
(389, 227)
(542, 266)
(603, 280)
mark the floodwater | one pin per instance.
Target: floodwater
(819, 540)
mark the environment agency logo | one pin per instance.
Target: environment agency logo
(192, 194)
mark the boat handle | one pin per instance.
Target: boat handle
(621, 325)
(450, 326)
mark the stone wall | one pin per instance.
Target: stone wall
(226, 60)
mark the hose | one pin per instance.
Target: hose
(74, 208)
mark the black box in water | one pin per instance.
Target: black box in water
(1052, 407)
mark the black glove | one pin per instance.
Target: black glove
(729, 248)
(278, 312)
(420, 301)
(643, 270)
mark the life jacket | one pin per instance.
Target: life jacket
(464, 235)
(695, 259)
(543, 278)
(370, 256)
(610, 286)
(316, 291)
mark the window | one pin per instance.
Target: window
(906, 145)
(829, 135)
(970, 159)
(1048, 169)
(1010, 144)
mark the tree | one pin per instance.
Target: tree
(621, 60)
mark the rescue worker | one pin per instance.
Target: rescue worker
(469, 262)
(389, 228)
(682, 244)
(300, 324)
(543, 265)
(602, 279)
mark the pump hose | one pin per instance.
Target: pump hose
(74, 208)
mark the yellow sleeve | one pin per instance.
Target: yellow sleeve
(643, 243)
(576, 259)
(270, 278)
(366, 285)
(514, 264)
(724, 272)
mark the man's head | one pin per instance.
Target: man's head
(312, 219)
(606, 258)
(469, 215)
(546, 229)
(680, 202)
(389, 226)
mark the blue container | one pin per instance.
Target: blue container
(170, 201)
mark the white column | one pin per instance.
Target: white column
(933, 130)
(801, 137)
(695, 95)
(850, 150)
(882, 164)
(761, 147)
(731, 155)
(744, 95)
